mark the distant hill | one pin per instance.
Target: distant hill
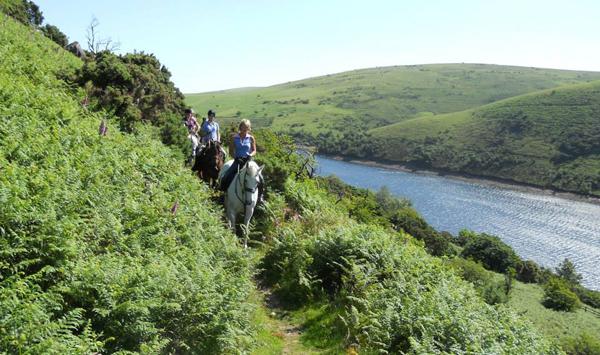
(348, 113)
(377, 97)
(549, 138)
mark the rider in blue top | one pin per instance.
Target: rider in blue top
(242, 147)
(211, 129)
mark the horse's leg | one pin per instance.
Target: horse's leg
(231, 217)
(247, 216)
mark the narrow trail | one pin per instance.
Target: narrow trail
(283, 328)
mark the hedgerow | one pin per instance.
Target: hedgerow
(106, 243)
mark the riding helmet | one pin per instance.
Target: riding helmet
(211, 112)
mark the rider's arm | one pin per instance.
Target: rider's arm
(218, 134)
(253, 149)
(232, 147)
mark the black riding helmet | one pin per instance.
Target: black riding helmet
(211, 112)
(189, 110)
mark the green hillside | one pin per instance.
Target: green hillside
(396, 114)
(372, 98)
(549, 138)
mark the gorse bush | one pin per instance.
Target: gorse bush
(94, 256)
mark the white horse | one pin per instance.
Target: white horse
(242, 194)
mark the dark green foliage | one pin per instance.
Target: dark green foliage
(566, 271)
(278, 153)
(34, 15)
(491, 290)
(409, 221)
(495, 292)
(558, 296)
(585, 344)
(529, 272)
(494, 254)
(55, 34)
(136, 90)
(589, 297)
(25, 11)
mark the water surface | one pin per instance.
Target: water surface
(542, 228)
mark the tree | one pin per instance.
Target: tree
(34, 15)
(96, 45)
(566, 271)
(55, 34)
(490, 250)
(529, 272)
(558, 297)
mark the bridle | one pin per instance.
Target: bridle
(243, 187)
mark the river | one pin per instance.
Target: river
(543, 228)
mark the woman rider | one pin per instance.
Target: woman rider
(189, 121)
(242, 147)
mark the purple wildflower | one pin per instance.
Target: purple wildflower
(296, 217)
(85, 100)
(276, 224)
(405, 241)
(102, 129)
(174, 209)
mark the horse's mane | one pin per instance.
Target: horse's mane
(252, 169)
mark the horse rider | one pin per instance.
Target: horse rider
(192, 125)
(211, 131)
(242, 147)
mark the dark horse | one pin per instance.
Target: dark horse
(209, 163)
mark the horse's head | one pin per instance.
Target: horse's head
(214, 159)
(251, 180)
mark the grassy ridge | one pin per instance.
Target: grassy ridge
(92, 258)
(549, 138)
(376, 97)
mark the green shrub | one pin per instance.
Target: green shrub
(494, 254)
(589, 297)
(529, 272)
(585, 344)
(558, 296)
(55, 35)
(409, 221)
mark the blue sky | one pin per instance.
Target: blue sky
(216, 45)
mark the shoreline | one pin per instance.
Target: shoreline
(484, 180)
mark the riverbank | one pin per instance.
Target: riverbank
(484, 180)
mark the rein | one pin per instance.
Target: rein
(243, 187)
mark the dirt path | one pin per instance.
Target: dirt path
(281, 325)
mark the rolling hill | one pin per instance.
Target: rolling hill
(381, 96)
(363, 113)
(549, 138)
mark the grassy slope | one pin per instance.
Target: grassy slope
(383, 95)
(526, 300)
(530, 131)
